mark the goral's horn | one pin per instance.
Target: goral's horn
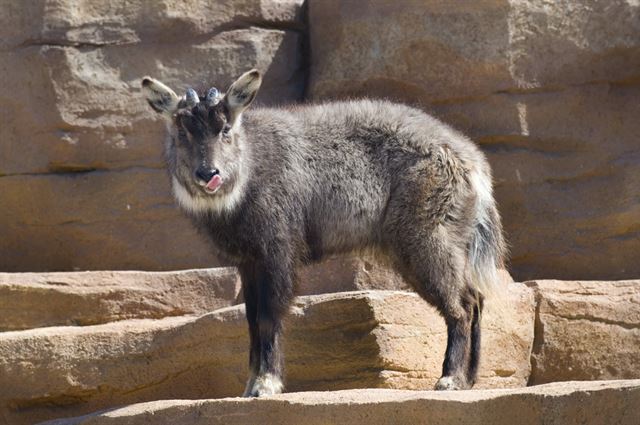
(192, 98)
(212, 96)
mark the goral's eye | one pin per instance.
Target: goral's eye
(226, 133)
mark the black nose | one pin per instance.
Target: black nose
(206, 174)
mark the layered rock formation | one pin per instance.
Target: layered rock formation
(32, 300)
(153, 336)
(370, 339)
(566, 403)
(586, 331)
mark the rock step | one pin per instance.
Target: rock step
(586, 330)
(367, 339)
(563, 403)
(31, 300)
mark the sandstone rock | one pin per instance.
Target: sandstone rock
(105, 23)
(435, 52)
(339, 341)
(548, 89)
(410, 50)
(98, 220)
(572, 42)
(30, 300)
(71, 85)
(566, 173)
(84, 110)
(343, 274)
(356, 273)
(566, 403)
(586, 331)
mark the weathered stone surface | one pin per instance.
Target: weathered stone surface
(81, 108)
(342, 274)
(31, 300)
(431, 51)
(86, 22)
(71, 86)
(411, 50)
(553, 44)
(566, 403)
(352, 340)
(349, 273)
(586, 331)
(98, 220)
(566, 172)
(548, 89)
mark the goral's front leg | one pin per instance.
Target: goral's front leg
(270, 295)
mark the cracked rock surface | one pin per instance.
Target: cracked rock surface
(586, 330)
(32, 300)
(564, 403)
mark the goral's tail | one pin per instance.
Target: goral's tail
(487, 249)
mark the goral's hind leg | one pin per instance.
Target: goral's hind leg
(474, 361)
(431, 254)
(457, 360)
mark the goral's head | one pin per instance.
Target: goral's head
(206, 144)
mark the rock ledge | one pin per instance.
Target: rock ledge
(604, 402)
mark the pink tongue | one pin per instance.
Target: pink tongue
(215, 182)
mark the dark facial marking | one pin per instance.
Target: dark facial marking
(202, 120)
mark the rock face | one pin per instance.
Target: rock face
(81, 151)
(350, 274)
(31, 300)
(379, 339)
(566, 403)
(538, 332)
(120, 219)
(586, 331)
(549, 91)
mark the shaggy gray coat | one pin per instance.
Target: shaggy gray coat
(276, 188)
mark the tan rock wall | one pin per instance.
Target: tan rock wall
(586, 331)
(32, 300)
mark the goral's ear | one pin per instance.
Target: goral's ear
(242, 92)
(160, 97)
